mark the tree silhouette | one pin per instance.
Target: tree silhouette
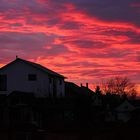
(119, 85)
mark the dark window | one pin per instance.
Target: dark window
(50, 80)
(32, 77)
(3, 82)
(60, 82)
(54, 88)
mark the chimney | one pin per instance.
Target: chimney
(81, 85)
(16, 56)
(87, 85)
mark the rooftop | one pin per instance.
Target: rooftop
(35, 65)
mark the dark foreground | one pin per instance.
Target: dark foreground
(24, 117)
(121, 132)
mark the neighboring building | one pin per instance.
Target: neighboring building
(26, 76)
(124, 111)
(73, 90)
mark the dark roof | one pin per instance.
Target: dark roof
(38, 66)
(87, 91)
(72, 89)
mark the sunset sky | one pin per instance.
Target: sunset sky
(85, 40)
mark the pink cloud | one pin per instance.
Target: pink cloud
(79, 43)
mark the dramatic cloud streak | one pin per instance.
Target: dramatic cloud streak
(86, 40)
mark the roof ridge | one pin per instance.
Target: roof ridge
(42, 68)
(36, 65)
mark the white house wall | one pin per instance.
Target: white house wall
(17, 79)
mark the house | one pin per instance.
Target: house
(25, 76)
(124, 111)
(73, 90)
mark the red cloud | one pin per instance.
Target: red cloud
(82, 46)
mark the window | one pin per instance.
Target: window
(32, 77)
(3, 82)
(60, 82)
(50, 80)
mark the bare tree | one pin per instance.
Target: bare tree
(119, 85)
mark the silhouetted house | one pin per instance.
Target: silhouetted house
(73, 90)
(26, 76)
(109, 103)
(86, 90)
(136, 113)
(124, 111)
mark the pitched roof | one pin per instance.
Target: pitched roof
(125, 106)
(71, 89)
(37, 66)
